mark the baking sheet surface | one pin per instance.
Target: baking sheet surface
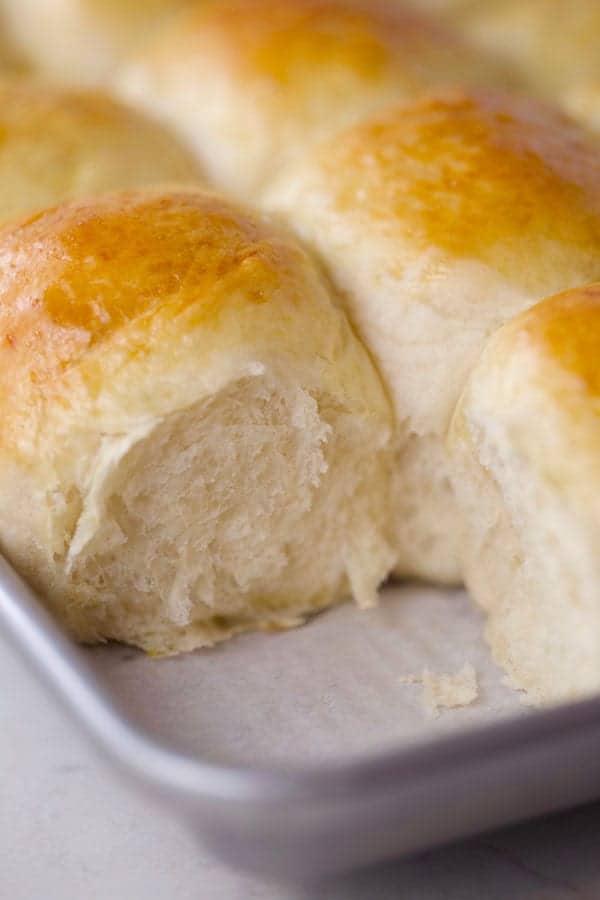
(332, 689)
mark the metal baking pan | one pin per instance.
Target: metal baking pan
(304, 753)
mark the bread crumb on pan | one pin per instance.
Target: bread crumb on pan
(446, 690)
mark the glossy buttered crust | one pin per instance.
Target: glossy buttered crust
(565, 334)
(95, 288)
(503, 188)
(57, 144)
(252, 83)
(470, 174)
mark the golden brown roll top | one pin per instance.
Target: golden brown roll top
(57, 144)
(438, 221)
(253, 83)
(565, 331)
(525, 445)
(80, 42)
(193, 441)
(500, 168)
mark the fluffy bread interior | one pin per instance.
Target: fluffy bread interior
(426, 533)
(530, 564)
(249, 509)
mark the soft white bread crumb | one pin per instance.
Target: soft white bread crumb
(194, 441)
(446, 690)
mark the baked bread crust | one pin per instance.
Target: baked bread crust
(59, 144)
(253, 83)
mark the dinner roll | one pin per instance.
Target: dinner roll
(57, 145)
(553, 45)
(193, 442)
(525, 443)
(438, 221)
(252, 83)
(81, 41)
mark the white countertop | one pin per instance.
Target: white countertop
(69, 830)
